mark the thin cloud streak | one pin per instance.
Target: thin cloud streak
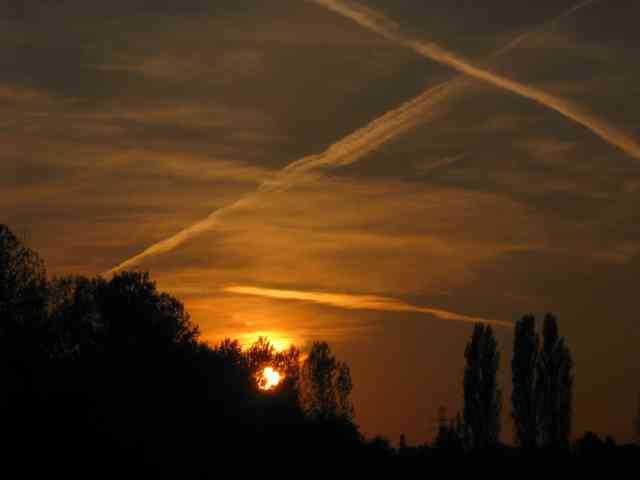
(517, 41)
(360, 302)
(342, 153)
(345, 152)
(379, 24)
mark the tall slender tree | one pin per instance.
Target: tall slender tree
(482, 397)
(523, 367)
(554, 387)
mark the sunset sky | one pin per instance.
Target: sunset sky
(378, 174)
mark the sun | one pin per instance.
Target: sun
(269, 379)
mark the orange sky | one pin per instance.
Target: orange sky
(306, 170)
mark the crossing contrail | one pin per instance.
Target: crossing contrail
(350, 149)
(378, 23)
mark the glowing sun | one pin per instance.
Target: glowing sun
(269, 379)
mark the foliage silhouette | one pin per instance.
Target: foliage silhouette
(482, 396)
(542, 385)
(23, 284)
(98, 373)
(451, 437)
(554, 387)
(526, 347)
(325, 386)
(115, 371)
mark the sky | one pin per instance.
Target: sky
(379, 174)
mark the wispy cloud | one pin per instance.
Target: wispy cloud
(380, 131)
(360, 302)
(344, 152)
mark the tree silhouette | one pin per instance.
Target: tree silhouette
(231, 352)
(97, 371)
(523, 367)
(451, 437)
(23, 284)
(289, 363)
(378, 446)
(554, 387)
(325, 386)
(24, 337)
(75, 316)
(138, 317)
(260, 355)
(482, 397)
(588, 444)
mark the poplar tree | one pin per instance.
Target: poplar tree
(523, 367)
(554, 387)
(482, 397)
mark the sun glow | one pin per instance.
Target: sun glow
(279, 340)
(269, 379)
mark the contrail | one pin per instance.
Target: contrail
(360, 302)
(344, 152)
(518, 40)
(378, 23)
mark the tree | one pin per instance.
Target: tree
(76, 319)
(263, 354)
(289, 364)
(23, 337)
(554, 387)
(542, 385)
(588, 445)
(325, 386)
(23, 284)
(231, 352)
(137, 317)
(24, 334)
(378, 447)
(450, 439)
(260, 355)
(523, 367)
(482, 397)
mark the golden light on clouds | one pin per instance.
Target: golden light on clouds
(385, 207)
(360, 302)
(399, 121)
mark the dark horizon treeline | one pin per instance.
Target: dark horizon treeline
(113, 374)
